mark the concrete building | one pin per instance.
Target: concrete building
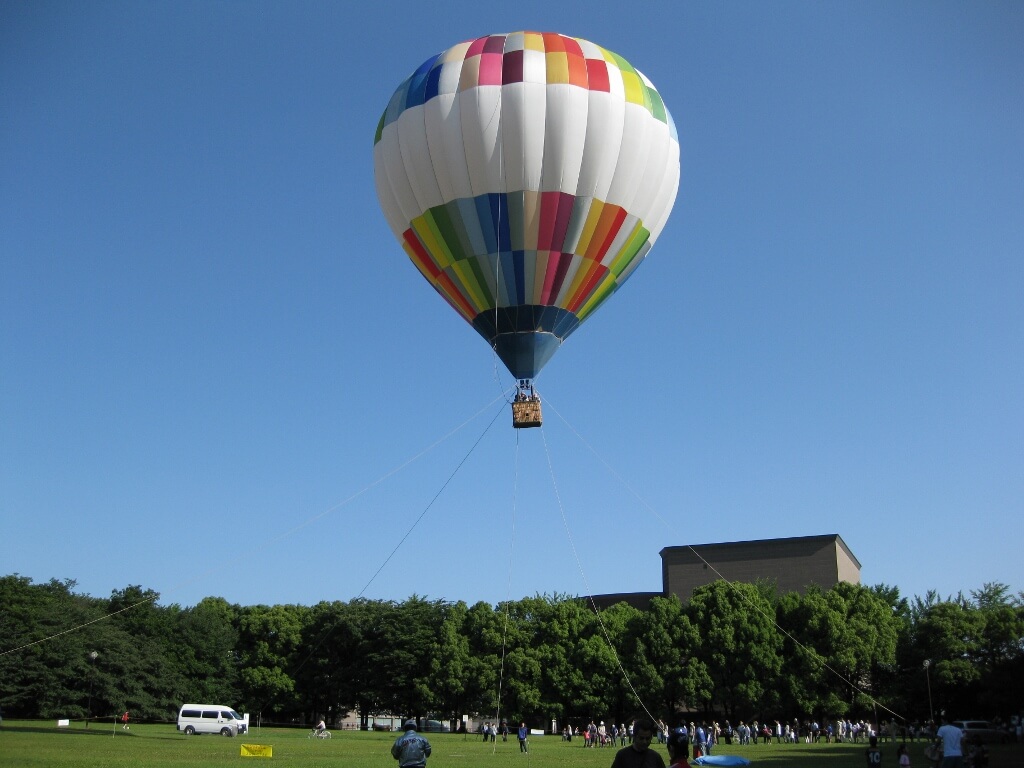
(792, 563)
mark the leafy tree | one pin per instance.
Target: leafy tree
(740, 647)
(950, 634)
(450, 665)
(45, 662)
(410, 632)
(360, 642)
(319, 661)
(662, 657)
(269, 642)
(567, 686)
(485, 632)
(836, 639)
(141, 671)
(1000, 653)
(620, 699)
(522, 668)
(204, 643)
(531, 659)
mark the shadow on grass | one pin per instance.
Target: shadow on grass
(95, 729)
(77, 730)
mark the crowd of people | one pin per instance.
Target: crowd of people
(947, 748)
(599, 735)
(707, 735)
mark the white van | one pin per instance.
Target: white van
(210, 718)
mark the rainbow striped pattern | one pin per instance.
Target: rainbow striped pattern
(554, 249)
(526, 176)
(538, 57)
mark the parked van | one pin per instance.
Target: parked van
(210, 718)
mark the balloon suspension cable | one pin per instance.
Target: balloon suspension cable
(526, 406)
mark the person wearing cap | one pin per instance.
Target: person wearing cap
(639, 754)
(410, 749)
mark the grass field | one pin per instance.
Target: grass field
(25, 744)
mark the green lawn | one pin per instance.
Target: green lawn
(27, 744)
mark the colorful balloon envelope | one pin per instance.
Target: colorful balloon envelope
(526, 175)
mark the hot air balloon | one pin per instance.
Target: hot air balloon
(526, 175)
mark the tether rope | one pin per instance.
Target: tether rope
(280, 537)
(586, 582)
(401, 541)
(814, 655)
(508, 591)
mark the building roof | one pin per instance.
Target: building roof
(723, 550)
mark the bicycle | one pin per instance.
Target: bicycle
(315, 734)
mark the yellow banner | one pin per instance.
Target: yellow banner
(257, 750)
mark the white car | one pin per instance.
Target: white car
(210, 718)
(983, 728)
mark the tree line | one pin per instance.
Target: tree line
(737, 651)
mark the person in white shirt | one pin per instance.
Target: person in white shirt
(951, 737)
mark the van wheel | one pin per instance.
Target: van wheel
(225, 731)
(189, 730)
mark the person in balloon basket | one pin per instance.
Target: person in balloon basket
(410, 749)
(639, 754)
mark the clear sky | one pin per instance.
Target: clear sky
(221, 375)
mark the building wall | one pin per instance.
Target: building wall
(793, 563)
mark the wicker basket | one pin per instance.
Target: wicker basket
(526, 413)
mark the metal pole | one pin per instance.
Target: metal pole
(928, 678)
(92, 682)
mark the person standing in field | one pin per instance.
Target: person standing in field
(950, 737)
(873, 753)
(678, 745)
(522, 734)
(410, 749)
(639, 754)
(124, 721)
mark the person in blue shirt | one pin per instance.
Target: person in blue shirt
(523, 733)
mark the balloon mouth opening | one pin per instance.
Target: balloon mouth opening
(524, 354)
(525, 337)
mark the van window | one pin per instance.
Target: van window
(211, 713)
(191, 713)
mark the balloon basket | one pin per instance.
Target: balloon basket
(526, 413)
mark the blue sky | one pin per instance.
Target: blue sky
(220, 374)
